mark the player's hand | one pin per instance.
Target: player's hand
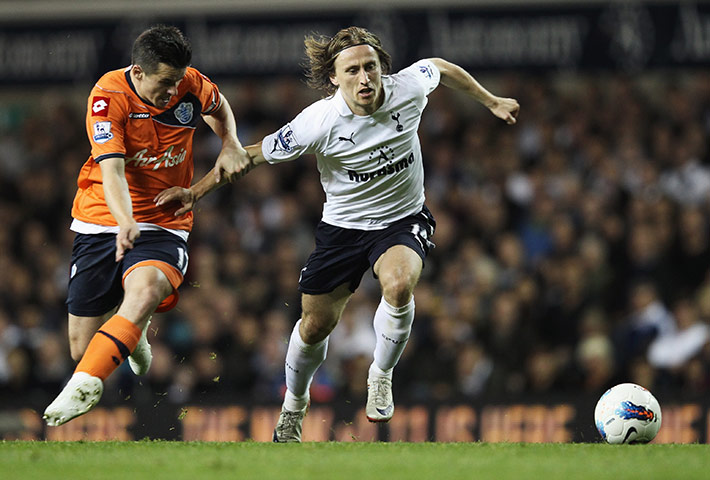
(233, 163)
(506, 109)
(177, 194)
(125, 239)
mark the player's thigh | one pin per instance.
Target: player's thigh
(397, 255)
(321, 313)
(399, 262)
(152, 272)
(398, 270)
(81, 331)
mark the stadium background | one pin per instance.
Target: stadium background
(572, 249)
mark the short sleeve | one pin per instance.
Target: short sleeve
(298, 137)
(424, 73)
(105, 124)
(207, 91)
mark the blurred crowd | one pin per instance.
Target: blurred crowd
(572, 249)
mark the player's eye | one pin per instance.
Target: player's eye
(169, 82)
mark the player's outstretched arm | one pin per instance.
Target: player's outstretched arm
(232, 161)
(188, 197)
(457, 78)
(118, 200)
(255, 154)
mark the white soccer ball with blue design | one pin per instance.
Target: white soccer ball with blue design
(628, 413)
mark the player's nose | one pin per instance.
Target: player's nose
(364, 77)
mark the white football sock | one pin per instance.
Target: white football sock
(302, 361)
(392, 328)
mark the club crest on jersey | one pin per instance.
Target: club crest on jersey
(183, 112)
(102, 132)
(99, 106)
(395, 117)
(285, 140)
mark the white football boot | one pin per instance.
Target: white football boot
(380, 406)
(288, 429)
(79, 395)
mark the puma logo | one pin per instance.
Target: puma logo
(348, 139)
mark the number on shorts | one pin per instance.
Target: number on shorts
(182, 260)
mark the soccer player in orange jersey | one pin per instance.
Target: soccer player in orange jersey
(128, 251)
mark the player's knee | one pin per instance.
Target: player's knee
(398, 285)
(76, 351)
(315, 328)
(145, 288)
(147, 298)
(398, 291)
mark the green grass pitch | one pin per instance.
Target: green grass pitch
(152, 460)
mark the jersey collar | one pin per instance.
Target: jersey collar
(341, 106)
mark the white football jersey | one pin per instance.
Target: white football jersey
(370, 166)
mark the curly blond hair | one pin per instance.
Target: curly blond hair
(322, 51)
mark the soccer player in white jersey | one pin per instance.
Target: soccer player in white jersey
(364, 137)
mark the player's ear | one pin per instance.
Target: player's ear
(334, 81)
(137, 71)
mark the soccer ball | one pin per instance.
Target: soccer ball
(628, 413)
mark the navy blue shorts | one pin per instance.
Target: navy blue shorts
(96, 279)
(343, 255)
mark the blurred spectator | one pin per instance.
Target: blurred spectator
(594, 353)
(674, 348)
(473, 369)
(648, 319)
(10, 339)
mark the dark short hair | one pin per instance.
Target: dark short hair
(322, 52)
(161, 44)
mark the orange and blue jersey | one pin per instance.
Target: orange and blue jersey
(156, 144)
